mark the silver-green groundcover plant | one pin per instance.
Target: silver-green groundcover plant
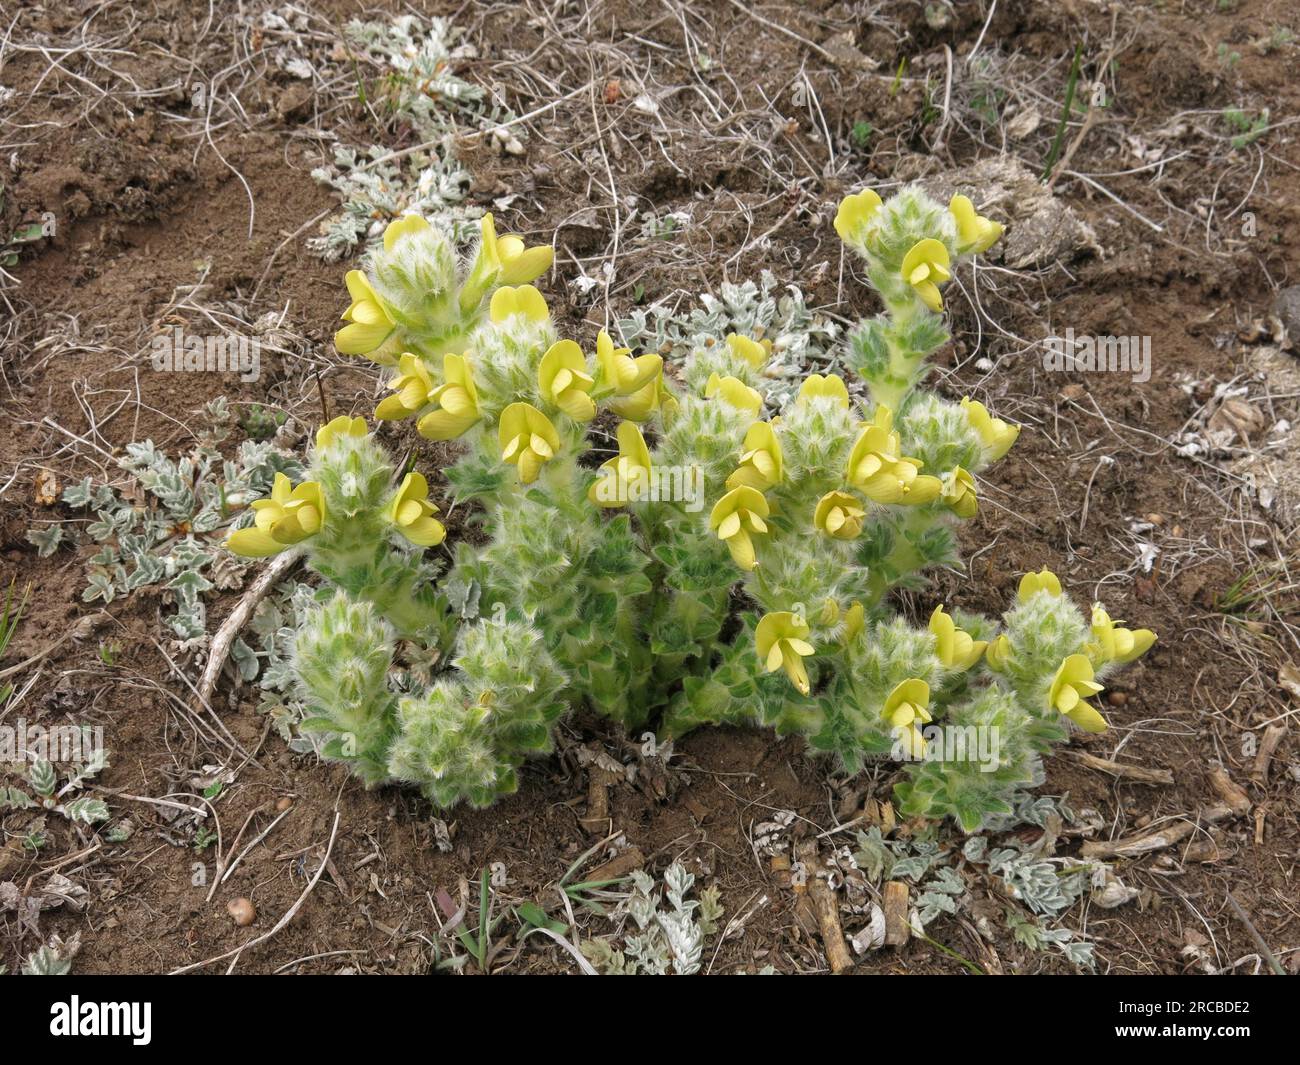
(729, 563)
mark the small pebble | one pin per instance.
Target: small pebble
(242, 912)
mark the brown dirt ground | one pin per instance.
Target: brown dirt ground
(144, 203)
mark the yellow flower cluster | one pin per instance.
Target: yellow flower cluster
(880, 472)
(632, 388)
(1075, 679)
(927, 263)
(291, 515)
(876, 468)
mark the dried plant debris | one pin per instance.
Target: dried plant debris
(27, 903)
(671, 927)
(1250, 426)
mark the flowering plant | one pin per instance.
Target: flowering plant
(660, 546)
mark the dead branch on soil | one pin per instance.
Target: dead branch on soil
(898, 928)
(1267, 748)
(1274, 964)
(1135, 773)
(825, 907)
(1148, 842)
(1233, 795)
(225, 636)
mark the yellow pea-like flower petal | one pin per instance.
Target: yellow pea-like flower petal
(1042, 581)
(1070, 690)
(974, 232)
(411, 513)
(527, 438)
(854, 213)
(925, 267)
(754, 352)
(781, 639)
(734, 516)
(830, 387)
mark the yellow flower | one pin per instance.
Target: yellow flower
(412, 388)
(524, 300)
(528, 439)
(502, 261)
(925, 268)
(371, 330)
(734, 391)
(840, 515)
(519, 263)
(404, 226)
(734, 516)
(954, 646)
(854, 619)
(640, 404)
(339, 427)
(831, 386)
(782, 641)
(854, 213)
(996, 435)
(1111, 643)
(974, 232)
(906, 710)
(830, 612)
(619, 372)
(665, 400)
(286, 517)
(456, 399)
(564, 380)
(959, 493)
(762, 464)
(1070, 690)
(412, 514)
(880, 473)
(1042, 581)
(625, 478)
(999, 649)
(754, 352)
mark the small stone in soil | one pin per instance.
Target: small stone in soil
(242, 912)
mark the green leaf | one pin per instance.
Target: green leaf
(46, 962)
(28, 233)
(87, 810)
(14, 799)
(317, 724)
(42, 777)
